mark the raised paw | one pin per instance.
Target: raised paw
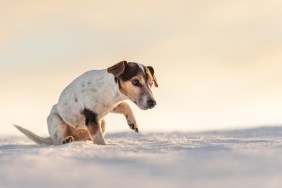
(134, 127)
(68, 139)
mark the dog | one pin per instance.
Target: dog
(84, 103)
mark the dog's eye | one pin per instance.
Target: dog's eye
(136, 82)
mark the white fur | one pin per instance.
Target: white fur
(98, 138)
(141, 67)
(94, 90)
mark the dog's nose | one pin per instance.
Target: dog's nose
(151, 103)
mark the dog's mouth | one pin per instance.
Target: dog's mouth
(138, 103)
(142, 107)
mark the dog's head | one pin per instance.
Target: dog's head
(135, 81)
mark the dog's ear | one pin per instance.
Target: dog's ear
(117, 69)
(152, 71)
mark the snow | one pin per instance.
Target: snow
(239, 158)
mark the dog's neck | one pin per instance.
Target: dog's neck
(114, 89)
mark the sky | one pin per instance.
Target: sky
(218, 63)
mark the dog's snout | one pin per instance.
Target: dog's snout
(151, 103)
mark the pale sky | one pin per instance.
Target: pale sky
(218, 63)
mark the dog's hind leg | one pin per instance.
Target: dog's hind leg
(59, 131)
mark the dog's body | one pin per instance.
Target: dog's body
(83, 104)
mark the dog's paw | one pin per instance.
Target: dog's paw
(134, 127)
(68, 139)
(98, 139)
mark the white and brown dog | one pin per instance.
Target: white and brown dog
(83, 104)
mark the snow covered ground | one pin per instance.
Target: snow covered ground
(241, 158)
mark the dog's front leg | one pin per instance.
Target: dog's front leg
(96, 134)
(124, 108)
(93, 125)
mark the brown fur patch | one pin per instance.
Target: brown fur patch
(128, 89)
(117, 69)
(79, 134)
(152, 72)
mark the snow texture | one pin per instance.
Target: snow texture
(244, 158)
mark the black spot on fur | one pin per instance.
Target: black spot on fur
(68, 139)
(131, 70)
(90, 117)
(116, 79)
(75, 99)
(89, 83)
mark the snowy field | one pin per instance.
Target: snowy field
(227, 159)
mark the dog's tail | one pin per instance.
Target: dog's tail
(34, 137)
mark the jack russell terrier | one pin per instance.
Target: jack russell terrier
(84, 103)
